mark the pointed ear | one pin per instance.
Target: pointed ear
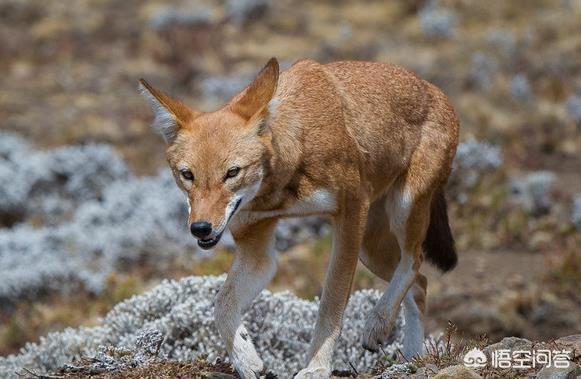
(170, 114)
(257, 95)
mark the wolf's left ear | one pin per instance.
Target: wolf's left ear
(256, 96)
(170, 114)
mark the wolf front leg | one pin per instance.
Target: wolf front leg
(253, 267)
(348, 230)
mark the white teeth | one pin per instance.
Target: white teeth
(211, 240)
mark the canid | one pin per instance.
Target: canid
(368, 144)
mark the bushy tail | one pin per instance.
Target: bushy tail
(439, 243)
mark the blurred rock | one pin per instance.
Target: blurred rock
(576, 211)
(483, 70)
(533, 192)
(192, 14)
(509, 343)
(428, 371)
(436, 21)
(573, 106)
(223, 88)
(243, 11)
(457, 372)
(218, 375)
(504, 40)
(520, 88)
(292, 231)
(473, 160)
(572, 342)
(571, 372)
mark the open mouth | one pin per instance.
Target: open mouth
(209, 243)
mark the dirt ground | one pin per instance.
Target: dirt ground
(499, 294)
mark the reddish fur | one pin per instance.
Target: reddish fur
(368, 133)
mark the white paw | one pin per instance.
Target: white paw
(411, 352)
(244, 357)
(412, 346)
(377, 330)
(314, 373)
(249, 365)
(413, 340)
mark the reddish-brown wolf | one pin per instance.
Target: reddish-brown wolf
(368, 144)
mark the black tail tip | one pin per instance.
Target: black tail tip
(446, 262)
(439, 246)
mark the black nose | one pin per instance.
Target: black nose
(201, 229)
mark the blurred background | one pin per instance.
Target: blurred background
(89, 214)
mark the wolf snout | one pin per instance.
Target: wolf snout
(201, 229)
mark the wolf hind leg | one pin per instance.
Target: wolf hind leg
(381, 254)
(380, 250)
(408, 221)
(414, 304)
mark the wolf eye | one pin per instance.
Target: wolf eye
(187, 175)
(232, 172)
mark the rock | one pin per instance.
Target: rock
(570, 372)
(534, 192)
(572, 342)
(509, 343)
(217, 375)
(457, 372)
(576, 211)
(427, 371)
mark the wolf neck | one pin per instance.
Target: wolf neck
(309, 149)
(282, 161)
(286, 181)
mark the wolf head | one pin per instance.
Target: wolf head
(218, 159)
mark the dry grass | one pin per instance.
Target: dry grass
(450, 348)
(200, 368)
